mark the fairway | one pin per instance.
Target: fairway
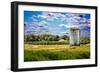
(55, 52)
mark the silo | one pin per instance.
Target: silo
(74, 35)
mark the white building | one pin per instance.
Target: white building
(74, 35)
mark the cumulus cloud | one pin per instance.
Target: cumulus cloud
(72, 18)
(50, 16)
(36, 27)
(61, 20)
(37, 24)
(63, 25)
(43, 23)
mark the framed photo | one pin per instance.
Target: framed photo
(52, 36)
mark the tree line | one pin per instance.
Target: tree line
(44, 37)
(51, 38)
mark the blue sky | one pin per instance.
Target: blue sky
(56, 23)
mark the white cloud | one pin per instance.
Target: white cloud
(35, 20)
(63, 25)
(51, 16)
(76, 19)
(66, 19)
(71, 18)
(36, 28)
(42, 16)
(37, 24)
(43, 23)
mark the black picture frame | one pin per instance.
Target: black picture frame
(14, 35)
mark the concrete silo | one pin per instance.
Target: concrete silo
(74, 35)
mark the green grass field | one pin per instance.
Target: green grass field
(55, 52)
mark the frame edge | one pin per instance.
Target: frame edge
(14, 37)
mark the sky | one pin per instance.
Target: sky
(55, 23)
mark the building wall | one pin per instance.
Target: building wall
(74, 37)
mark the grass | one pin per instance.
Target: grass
(56, 52)
(48, 42)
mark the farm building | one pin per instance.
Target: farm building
(74, 35)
